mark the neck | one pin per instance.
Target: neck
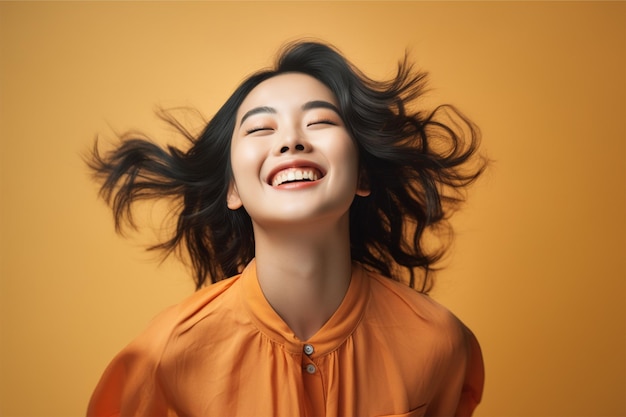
(304, 273)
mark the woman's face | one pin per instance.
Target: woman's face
(292, 157)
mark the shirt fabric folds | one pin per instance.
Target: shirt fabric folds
(387, 351)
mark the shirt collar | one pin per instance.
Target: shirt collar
(332, 334)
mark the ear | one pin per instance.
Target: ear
(233, 201)
(363, 185)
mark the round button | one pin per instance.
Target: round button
(308, 349)
(310, 368)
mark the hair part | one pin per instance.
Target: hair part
(416, 166)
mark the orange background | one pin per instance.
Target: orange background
(539, 264)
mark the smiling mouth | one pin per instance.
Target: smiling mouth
(291, 175)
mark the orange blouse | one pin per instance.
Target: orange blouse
(387, 351)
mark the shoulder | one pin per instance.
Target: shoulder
(197, 306)
(416, 320)
(400, 300)
(129, 385)
(177, 318)
(432, 341)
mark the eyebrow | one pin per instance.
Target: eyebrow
(309, 105)
(320, 104)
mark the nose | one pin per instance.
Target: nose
(298, 147)
(292, 140)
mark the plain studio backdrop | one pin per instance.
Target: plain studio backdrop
(539, 263)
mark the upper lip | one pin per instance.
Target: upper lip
(294, 164)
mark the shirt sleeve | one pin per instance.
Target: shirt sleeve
(135, 382)
(472, 390)
(462, 380)
(130, 385)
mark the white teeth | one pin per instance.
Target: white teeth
(295, 174)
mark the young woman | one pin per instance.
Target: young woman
(305, 202)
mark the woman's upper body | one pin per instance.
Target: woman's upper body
(387, 350)
(310, 174)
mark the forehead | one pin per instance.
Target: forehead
(285, 90)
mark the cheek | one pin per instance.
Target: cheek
(244, 161)
(346, 157)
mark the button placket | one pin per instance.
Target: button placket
(313, 387)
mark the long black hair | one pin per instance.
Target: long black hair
(416, 166)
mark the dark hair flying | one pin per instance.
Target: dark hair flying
(416, 166)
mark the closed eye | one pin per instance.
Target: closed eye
(322, 122)
(258, 129)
